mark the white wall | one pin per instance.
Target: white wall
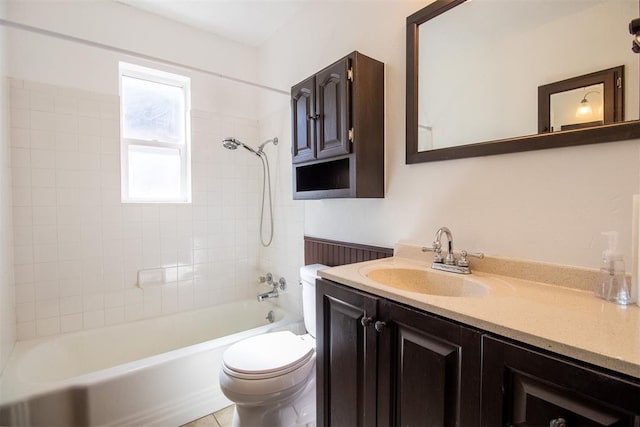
(114, 24)
(545, 205)
(77, 247)
(7, 301)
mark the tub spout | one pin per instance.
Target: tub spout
(271, 294)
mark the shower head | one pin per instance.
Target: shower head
(232, 143)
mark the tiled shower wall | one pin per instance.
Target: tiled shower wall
(78, 249)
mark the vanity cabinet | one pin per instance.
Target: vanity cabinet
(381, 363)
(337, 120)
(525, 387)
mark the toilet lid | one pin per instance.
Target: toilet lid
(267, 355)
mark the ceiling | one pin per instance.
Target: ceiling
(251, 22)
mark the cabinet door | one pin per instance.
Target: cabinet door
(333, 109)
(346, 356)
(302, 121)
(522, 387)
(428, 370)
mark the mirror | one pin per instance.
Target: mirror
(474, 69)
(582, 102)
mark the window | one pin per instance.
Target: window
(154, 129)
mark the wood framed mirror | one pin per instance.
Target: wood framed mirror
(594, 99)
(470, 95)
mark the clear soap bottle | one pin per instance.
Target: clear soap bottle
(612, 282)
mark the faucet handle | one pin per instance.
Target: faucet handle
(267, 278)
(463, 261)
(436, 249)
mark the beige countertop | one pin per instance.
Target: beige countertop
(566, 321)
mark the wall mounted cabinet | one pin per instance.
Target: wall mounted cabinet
(337, 119)
(382, 363)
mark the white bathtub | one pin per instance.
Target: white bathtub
(160, 371)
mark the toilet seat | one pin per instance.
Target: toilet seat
(267, 356)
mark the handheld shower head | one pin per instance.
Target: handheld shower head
(232, 143)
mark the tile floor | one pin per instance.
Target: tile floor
(222, 418)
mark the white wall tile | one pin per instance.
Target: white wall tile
(47, 290)
(20, 177)
(71, 305)
(26, 330)
(113, 316)
(71, 322)
(47, 327)
(25, 293)
(25, 312)
(41, 101)
(19, 118)
(43, 197)
(47, 308)
(44, 140)
(45, 272)
(42, 120)
(45, 215)
(66, 141)
(93, 319)
(43, 159)
(78, 249)
(20, 138)
(20, 158)
(45, 178)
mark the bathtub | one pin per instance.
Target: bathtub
(159, 371)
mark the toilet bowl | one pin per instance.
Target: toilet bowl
(272, 377)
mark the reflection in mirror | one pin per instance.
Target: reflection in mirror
(594, 99)
(577, 108)
(474, 68)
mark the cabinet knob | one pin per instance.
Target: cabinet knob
(366, 321)
(314, 117)
(558, 422)
(380, 325)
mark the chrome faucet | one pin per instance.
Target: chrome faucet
(273, 293)
(437, 247)
(276, 286)
(449, 262)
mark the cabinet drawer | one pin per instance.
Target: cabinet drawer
(526, 387)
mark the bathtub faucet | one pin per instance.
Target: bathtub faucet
(274, 292)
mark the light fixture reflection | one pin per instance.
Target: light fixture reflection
(584, 108)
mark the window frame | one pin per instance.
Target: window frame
(184, 149)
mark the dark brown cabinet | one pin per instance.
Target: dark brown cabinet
(523, 387)
(381, 363)
(337, 119)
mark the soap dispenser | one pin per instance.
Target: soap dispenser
(612, 282)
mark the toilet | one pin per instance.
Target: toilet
(272, 377)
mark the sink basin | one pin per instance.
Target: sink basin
(427, 282)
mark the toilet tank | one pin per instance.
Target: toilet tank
(308, 275)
